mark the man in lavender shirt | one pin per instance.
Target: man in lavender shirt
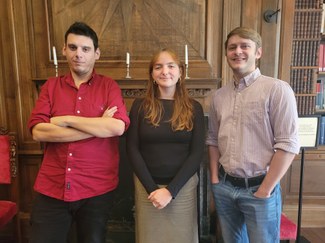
(252, 141)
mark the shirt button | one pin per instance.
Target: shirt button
(69, 169)
(70, 154)
(78, 112)
(79, 98)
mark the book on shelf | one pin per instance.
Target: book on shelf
(305, 104)
(323, 19)
(321, 57)
(315, 48)
(319, 94)
(307, 53)
(302, 80)
(321, 139)
(307, 4)
(308, 24)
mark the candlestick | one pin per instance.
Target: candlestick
(127, 58)
(186, 72)
(127, 65)
(128, 71)
(186, 63)
(55, 61)
(186, 55)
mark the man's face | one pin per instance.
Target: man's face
(242, 55)
(80, 53)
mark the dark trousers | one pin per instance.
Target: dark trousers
(51, 219)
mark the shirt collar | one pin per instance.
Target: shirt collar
(248, 79)
(69, 79)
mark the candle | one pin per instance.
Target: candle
(55, 60)
(127, 58)
(186, 55)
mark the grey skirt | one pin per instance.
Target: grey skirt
(177, 222)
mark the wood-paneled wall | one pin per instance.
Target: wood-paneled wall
(29, 29)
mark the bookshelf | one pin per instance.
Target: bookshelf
(304, 73)
(305, 49)
(320, 83)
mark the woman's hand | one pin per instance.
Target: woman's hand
(160, 198)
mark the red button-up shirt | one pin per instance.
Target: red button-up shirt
(72, 171)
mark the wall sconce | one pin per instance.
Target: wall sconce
(270, 15)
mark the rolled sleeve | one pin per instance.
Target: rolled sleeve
(213, 123)
(284, 116)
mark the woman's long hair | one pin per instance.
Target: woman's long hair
(182, 118)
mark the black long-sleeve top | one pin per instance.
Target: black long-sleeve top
(160, 155)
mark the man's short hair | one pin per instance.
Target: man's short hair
(80, 28)
(245, 33)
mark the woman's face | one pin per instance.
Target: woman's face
(166, 73)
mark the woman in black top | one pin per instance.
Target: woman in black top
(165, 144)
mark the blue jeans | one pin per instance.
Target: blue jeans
(245, 218)
(51, 219)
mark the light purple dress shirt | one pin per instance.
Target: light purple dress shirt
(249, 122)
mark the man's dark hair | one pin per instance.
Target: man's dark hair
(80, 28)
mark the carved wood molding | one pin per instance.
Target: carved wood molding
(137, 93)
(133, 93)
(197, 88)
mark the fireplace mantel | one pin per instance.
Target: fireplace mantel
(134, 87)
(198, 88)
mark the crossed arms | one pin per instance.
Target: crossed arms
(75, 128)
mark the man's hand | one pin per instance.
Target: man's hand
(260, 194)
(109, 112)
(60, 121)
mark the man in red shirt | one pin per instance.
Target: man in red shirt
(79, 117)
